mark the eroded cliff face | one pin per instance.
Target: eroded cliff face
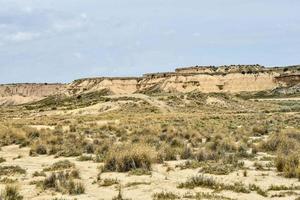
(233, 79)
(113, 85)
(234, 82)
(14, 94)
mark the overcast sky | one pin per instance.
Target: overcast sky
(61, 40)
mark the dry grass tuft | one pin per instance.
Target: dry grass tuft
(130, 157)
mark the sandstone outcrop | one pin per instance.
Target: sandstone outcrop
(227, 78)
(13, 94)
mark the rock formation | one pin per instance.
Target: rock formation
(227, 78)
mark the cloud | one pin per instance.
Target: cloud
(69, 23)
(77, 55)
(22, 36)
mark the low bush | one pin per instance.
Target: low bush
(289, 165)
(211, 183)
(38, 150)
(199, 181)
(84, 158)
(205, 155)
(11, 192)
(2, 160)
(11, 170)
(165, 196)
(62, 182)
(108, 182)
(60, 165)
(129, 157)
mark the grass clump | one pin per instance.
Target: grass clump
(7, 180)
(165, 196)
(199, 181)
(38, 150)
(139, 172)
(129, 157)
(11, 192)
(259, 191)
(108, 182)
(202, 195)
(84, 158)
(11, 170)
(283, 187)
(209, 182)
(120, 195)
(62, 182)
(60, 165)
(2, 160)
(288, 165)
(37, 174)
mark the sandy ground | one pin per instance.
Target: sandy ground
(159, 181)
(152, 101)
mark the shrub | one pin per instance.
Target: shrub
(119, 196)
(11, 193)
(167, 153)
(108, 182)
(165, 196)
(36, 173)
(38, 149)
(186, 153)
(128, 157)
(62, 182)
(75, 188)
(139, 172)
(11, 170)
(60, 165)
(199, 181)
(289, 165)
(204, 155)
(84, 158)
(209, 182)
(2, 160)
(283, 142)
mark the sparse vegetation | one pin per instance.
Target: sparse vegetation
(132, 141)
(11, 192)
(11, 170)
(60, 165)
(62, 182)
(165, 196)
(129, 157)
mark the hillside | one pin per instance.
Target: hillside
(206, 79)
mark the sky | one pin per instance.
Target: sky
(63, 40)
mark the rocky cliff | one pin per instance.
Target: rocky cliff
(231, 78)
(12, 94)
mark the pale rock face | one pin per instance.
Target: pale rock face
(232, 82)
(114, 85)
(13, 94)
